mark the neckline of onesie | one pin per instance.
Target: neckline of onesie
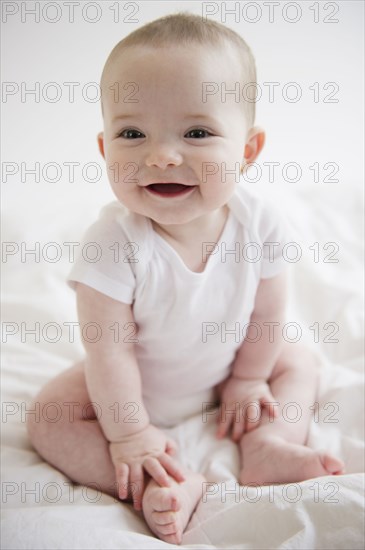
(178, 261)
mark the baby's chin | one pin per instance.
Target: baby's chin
(161, 218)
(165, 214)
(171, 219)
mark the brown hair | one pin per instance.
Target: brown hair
(184, 29)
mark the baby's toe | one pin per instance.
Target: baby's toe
(175, 538)
(166, 501)
(169, 529)
(331, 464)
(163, 518)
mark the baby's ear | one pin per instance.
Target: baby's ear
(254, 144)
(101, 143)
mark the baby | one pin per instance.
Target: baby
(165, 273)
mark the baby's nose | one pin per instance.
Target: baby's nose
(163, 155)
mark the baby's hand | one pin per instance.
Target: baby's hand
(241, 404)
(148, 450)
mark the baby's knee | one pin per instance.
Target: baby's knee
(299, 357)
(36, 422)
(45, 414)
(306, 358)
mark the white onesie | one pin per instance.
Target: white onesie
(190, 325)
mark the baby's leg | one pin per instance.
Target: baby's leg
(74, 444)
(274, 452)
(167, 510)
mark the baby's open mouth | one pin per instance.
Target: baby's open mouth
(168, 187)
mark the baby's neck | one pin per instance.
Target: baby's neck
(205, 229)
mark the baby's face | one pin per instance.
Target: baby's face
(160, 130)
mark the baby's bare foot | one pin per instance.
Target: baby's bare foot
(274, 460)
(167, 510)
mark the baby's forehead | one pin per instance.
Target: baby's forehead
(197, 57)
(159, 73)
(193, 75)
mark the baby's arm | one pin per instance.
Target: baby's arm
(254, 361)
(114, 385)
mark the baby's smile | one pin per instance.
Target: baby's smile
(169, 190)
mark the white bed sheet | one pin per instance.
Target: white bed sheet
(323, 513)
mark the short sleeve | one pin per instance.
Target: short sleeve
(104, 261)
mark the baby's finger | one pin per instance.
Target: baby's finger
(224, 423)
(252, 416)
(172, 467)
(122, 474)
(154, 468)
(272, 408)
(136, 485)
(238, 430)
(171, 447)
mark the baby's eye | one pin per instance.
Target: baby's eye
(129, 133)
(197, 133)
